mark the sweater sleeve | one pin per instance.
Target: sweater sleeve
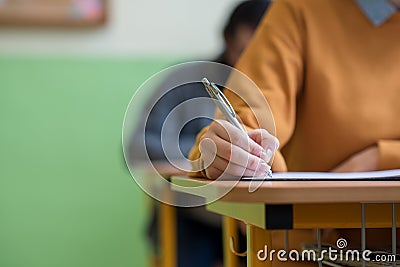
(389, 154)
(274, 62)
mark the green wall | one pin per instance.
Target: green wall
(66, 197)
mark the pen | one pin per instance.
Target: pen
(225, 107)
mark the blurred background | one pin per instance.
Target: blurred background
(68, 70)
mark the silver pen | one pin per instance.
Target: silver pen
(225, 107)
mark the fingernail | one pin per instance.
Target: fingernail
(268, 155)
(261, 169)
(266, 168)
(263, 154)
(276, 143)
(265, 165)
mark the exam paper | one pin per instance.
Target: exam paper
(326, 176)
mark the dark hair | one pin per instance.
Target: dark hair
(247, 13)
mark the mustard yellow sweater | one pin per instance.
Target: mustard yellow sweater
(332, 80)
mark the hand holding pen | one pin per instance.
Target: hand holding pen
(227, 148)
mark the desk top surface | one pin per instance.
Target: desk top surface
(293, 192)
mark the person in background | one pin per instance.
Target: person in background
(329, 71)
(237, 33)
(199, 231)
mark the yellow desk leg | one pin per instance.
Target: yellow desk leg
(258, 239)
(168, 235)
(230, 230)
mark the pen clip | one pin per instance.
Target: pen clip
(226, 102)
(216, 93)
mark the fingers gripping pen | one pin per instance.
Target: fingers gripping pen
(226, 108)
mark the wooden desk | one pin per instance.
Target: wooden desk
(299, 205)
(167, 225)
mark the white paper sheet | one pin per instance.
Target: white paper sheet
(376, 175)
